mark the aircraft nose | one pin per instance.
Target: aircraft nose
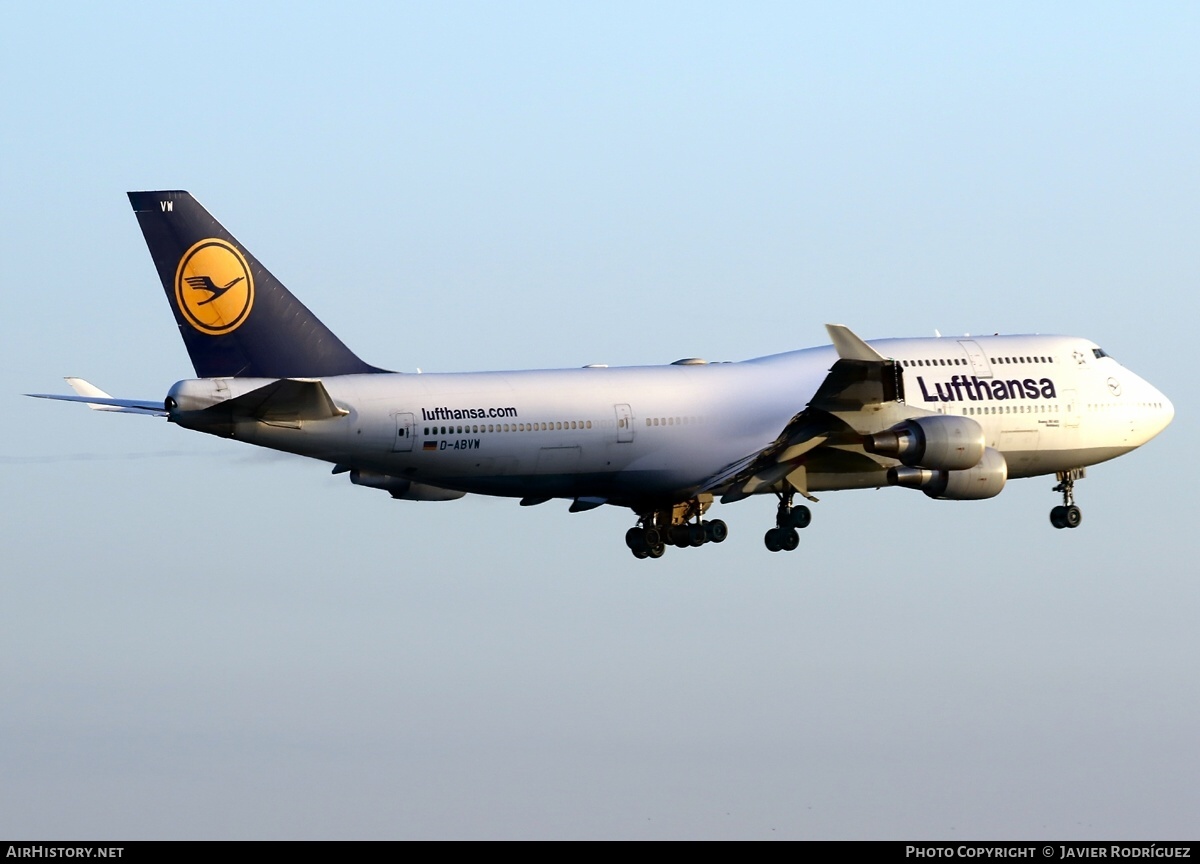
(1167, 412)
(1164, 411)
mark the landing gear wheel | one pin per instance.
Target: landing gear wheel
(716, 530)
(801, 517)
(772, 540)
(641, 552)
(1067, 515)
(652, 537)
(789, 539)
(789, 518)
(696, 535)
(657, 550)
(634, 538)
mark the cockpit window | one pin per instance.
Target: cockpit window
(1099, 352)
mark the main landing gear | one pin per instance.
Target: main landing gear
(1067, 515)
(681, 526)
(785, 536)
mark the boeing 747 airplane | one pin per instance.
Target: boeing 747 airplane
(955, 418)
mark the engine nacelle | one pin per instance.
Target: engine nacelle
(399, 487)
(939, 441)
(984, 480)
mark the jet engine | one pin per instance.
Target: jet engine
(939, 441)
(984, 480)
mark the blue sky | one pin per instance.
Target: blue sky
(203, 640)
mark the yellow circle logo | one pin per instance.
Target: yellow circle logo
(214, 288)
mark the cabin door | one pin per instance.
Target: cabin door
(405, 429)
(624, 424)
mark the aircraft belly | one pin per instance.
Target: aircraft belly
(303, 437)
(1020, 450)
(552, 471)
(1050, 461)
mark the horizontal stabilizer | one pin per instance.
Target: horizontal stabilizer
(96, 399)
(285, 400)
(87, 388)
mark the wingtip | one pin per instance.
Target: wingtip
(850, 345)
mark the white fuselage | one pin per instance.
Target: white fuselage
(1047, 403)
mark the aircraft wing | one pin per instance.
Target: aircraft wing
(863, 393)
(96, 399)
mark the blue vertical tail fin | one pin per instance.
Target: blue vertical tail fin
(236, 319)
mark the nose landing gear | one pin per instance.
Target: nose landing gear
(1067, 515)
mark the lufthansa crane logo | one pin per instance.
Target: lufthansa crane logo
(214, 288)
